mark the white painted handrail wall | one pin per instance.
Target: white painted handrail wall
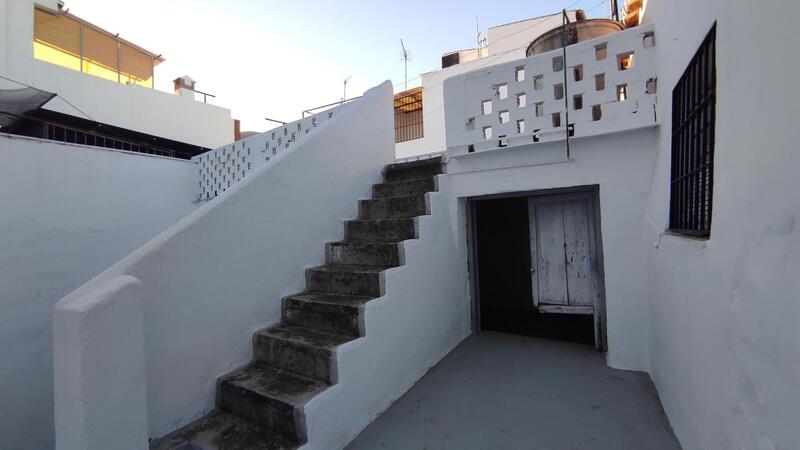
(200, 289)
(220, 168)
(522, 102)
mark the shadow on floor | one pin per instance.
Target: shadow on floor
(502, 391)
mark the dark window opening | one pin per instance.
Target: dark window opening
(693, 117)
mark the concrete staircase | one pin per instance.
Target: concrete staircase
(260, 406)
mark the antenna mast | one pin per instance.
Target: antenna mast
(405, 64)
(344, 93)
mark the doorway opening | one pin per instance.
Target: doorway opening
(539, 265)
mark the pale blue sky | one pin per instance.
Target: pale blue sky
(265, 58)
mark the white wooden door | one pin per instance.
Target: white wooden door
(564, 271)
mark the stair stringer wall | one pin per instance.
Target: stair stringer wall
(210, 281)
(423, 314)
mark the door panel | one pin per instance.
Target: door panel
(577, 239)
(549, 274)
(563, 253)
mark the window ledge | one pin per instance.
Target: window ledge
(694, 235)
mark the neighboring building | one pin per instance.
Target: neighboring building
(102, 78)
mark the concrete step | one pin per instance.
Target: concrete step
(415, 170)
(269, 398)
(345, 280)
(339, 314)
(220, 430)
(393, 207)
(363, 253)
(380, 230)
(299, 350)
(403, 188)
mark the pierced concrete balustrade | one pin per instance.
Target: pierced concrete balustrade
(611, 86)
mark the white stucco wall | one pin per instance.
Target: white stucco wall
(66, 212)
(725, 312)
(621, 164)
(217, 276)
(128, 106)
(424, 314)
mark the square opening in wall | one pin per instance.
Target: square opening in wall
(504, 116)
(597, 113)
(599, 82)
(487, 133)
(622, 92)
(540, 109)
(538, 82)
(556, 120)
(600, 52)
(625, 61)
(558, 64)
(522, 100)
(502, 91)
(649, 40)
(577, 72)
(519, 73)
(521, 126)
(558, 91)
(486, 107)
(577, 101)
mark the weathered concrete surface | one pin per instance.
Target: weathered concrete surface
(502, 391)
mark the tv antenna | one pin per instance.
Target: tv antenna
(405, 64)
(344, 92)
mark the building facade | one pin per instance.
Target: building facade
(99, 76)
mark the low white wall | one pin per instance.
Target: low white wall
(128, 106)
(466, 119)
(424, 314)
(211, 280)
(725, 312)
(66, 213)
(621, 164)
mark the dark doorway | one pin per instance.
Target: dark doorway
(504, 276)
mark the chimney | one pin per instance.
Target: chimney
(184, 86)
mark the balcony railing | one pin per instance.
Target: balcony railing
(610, 86)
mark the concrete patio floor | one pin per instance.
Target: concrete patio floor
(502, 391)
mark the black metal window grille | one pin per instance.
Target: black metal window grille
(408, 115)
(693, 117)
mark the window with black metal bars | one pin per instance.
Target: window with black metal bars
(693, 118)
(408, 116)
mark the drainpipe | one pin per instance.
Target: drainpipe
(564, 22)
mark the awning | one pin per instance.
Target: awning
(15, 103)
